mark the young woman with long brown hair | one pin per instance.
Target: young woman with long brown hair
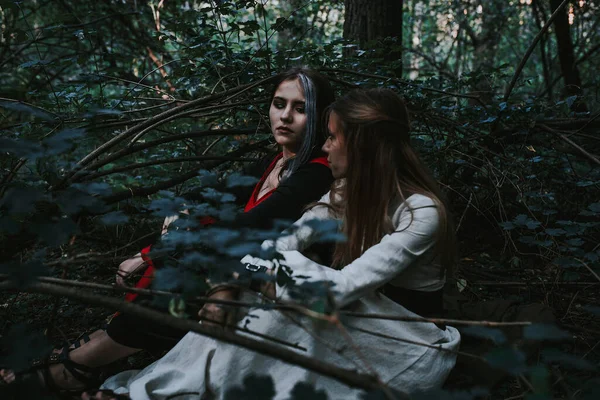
(398, 233)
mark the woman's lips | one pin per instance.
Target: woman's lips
(283, 129)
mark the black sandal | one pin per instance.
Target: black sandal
(110, 395)
(88, 376)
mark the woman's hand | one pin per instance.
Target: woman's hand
(268, 290)
(128, 267)
(170, 219)
(217, 314)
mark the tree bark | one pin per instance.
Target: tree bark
(536, 9)
(368, 21)
(566, 56)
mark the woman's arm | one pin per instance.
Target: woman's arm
(378, 265)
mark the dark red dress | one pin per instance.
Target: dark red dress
(307, 184)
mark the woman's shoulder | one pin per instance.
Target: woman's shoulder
(416, 207)
(314, 172)
(418, 200)
(315, 164)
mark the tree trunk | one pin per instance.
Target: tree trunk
(537, 10)
(367, 21)
(566, 56)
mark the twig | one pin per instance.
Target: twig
(513, 81)
(595, 117)
(167, 139)
(348, 377)
(496, 283)
(279, 305)
(591, 157)
(133, 166)
(589, 269)
(441, 321)
(118, 79)
(255, 333)
(78, 257)
(144, 77)
(431, 346)
(11, 175)
(190, 113)
(399, 81)
(164, 116)
(464, 212)
(30, 105)
(578, 328)
(145, 191)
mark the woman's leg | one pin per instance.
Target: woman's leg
(103, 395)
(101, 350)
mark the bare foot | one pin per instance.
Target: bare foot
(61, 377)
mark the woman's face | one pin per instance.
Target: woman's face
(335, 147)
(288, 120)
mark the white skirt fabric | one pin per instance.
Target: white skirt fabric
(400, 353)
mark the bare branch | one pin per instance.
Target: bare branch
(531, 48)
(348, 377)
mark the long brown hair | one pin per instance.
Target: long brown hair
(382, 168)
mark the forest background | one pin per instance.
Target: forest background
(110, 109)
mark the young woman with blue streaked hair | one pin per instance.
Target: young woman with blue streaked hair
(298, 175)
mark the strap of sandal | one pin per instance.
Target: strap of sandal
(85, 337)
(110, 393)
(77, 370)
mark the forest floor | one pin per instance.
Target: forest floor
(60, 319)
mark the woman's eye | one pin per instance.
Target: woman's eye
(279, 106)
(300, 110)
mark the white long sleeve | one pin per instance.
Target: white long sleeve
(395, 255)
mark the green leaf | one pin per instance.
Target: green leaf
(555, 232)
(177, 307)
(55, 232)
(545, 332)
(23, 273)
(254, 387)
(592, 309)
(567, 360)
(237, 180)
(494, 334)
(34, 63)
(566, 262)
(62, 141)
(23, 345)
(114, 218)
(21, 148)
(594, 207)
(24, 108)
(305, 391)
(507, 359)
(593, 257)
(22, 200)
(488, 120)
(575, 242)
(507, 225)
(521, 219)
(531, 224)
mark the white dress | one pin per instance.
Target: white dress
(387, 348)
